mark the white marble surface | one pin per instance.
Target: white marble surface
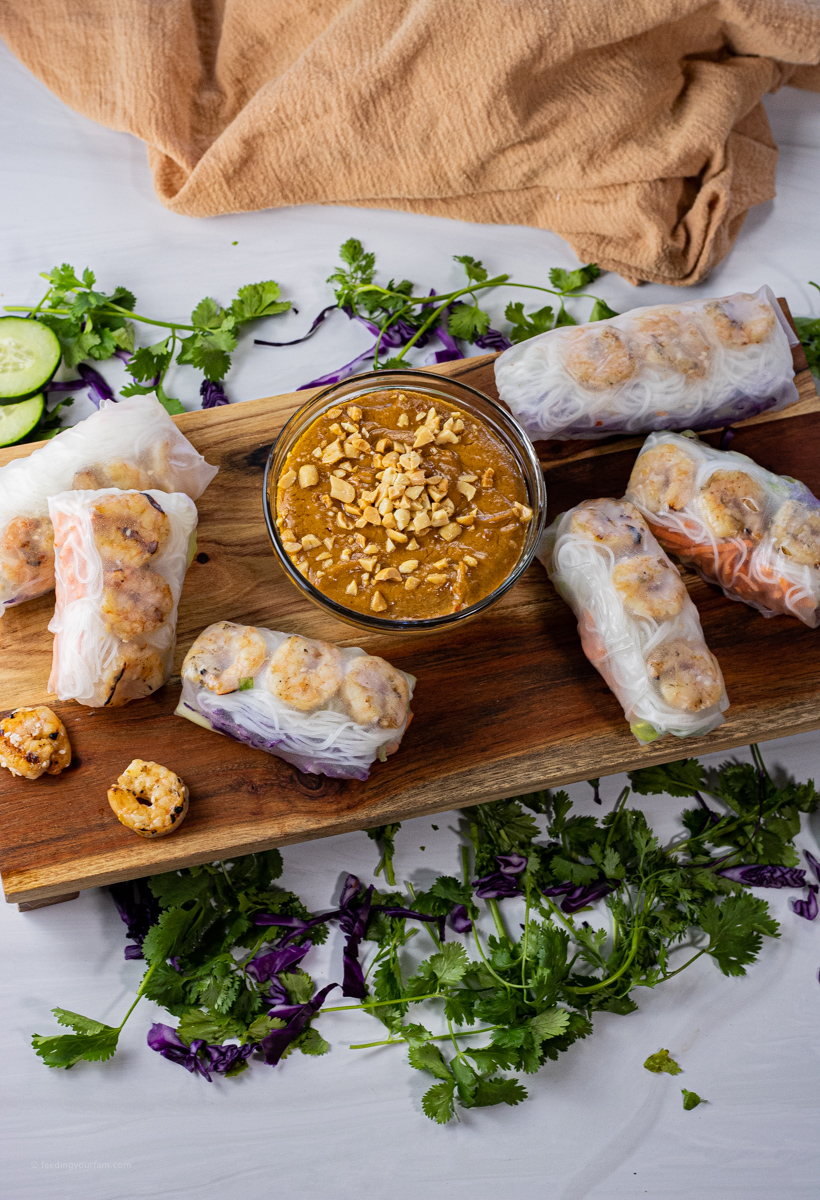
(349, 1126)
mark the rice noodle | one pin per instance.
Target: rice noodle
(726, 383)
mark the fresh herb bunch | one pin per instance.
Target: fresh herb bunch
(225, 944)
(97, 325)
(401, 320)
(808, 330)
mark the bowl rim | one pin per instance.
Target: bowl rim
(374, 622)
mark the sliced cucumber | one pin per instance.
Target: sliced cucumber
(29, 355)
(16, 420)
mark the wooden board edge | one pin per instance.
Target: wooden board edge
(475, 786)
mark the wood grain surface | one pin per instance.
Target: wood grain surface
(506, 705)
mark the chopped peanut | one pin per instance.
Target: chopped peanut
(470, 561)
(308, 476)
(465, 488)
(332, 453)
(408, 566)
(386, 574)
(354, 412)
(371, 515)
(424, 437)
(411, 584)
(378, 603)
(340, 489)
(436, 579)
(288, 479)
(487, 478)
(310, 541)
(404, 420)
(451, 531)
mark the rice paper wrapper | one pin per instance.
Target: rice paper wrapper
(92, 664)
(132, 443)
(692, 365)
(773, 564)
(323, 741)
(620, 644)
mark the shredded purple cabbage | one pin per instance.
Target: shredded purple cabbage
(807, 908)
(492, 340)
(353, 921)
(460, 919)
(765, 875)
(502, 883)
(213, 394)
(813, 863)
(298, 1017)
(295, 341)
(579, 896)
(138, 908)
(199, 1058)
(98, 389)
(283, 958)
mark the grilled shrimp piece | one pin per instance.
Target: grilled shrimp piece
(673, 340)
(741, 321)
(613, 523)
(688, 675)
(732, 504)
(305, 674)
(649, 587)
(223, 655)
(374, 693)
(598, 358)
(137, 671)
(663, 477)
(149, 799)
(136, 601)
(118, 474)
(33, 742)
(130, 528)
(796, 531)
(27, 557)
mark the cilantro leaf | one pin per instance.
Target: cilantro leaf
(498, 1091)
(427, 1057)
(662, 1061)
(473, 269)
(525, 326)
(167, 934)
(564, 318)
(691, 1099)
(437, 1102)
(573, 281)
(601, 311)
(450, 964)
(468, 321)
(683, 778)
(70, 1048)
(257, 300)
(77, 1022)
(736, 928)
(207, 314)
(549, 1023)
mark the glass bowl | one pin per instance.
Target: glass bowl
(505, 427)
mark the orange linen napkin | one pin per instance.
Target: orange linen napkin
(633, 128)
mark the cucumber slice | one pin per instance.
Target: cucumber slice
(16, 420)
(29, 355)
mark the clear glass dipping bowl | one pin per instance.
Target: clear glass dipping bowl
(440, 387)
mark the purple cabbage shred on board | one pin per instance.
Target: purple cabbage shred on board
(813, 863)
(807, 908)
(298, 1017)
(138, 908)
(124, 355)
(199, 1058)
(577, 896)
(98, 389)
(504, 882)
(765, 875)
(213, 394)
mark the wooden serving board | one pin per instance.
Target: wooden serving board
(506, 705)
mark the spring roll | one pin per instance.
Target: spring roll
(129, 444)
(692, 365)
(754, 534)
(326, 709)
(121, 558)
(638, 626)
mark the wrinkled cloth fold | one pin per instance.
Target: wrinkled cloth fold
(632, 128)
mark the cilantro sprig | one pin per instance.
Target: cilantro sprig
(94, 324)
(225, 945)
